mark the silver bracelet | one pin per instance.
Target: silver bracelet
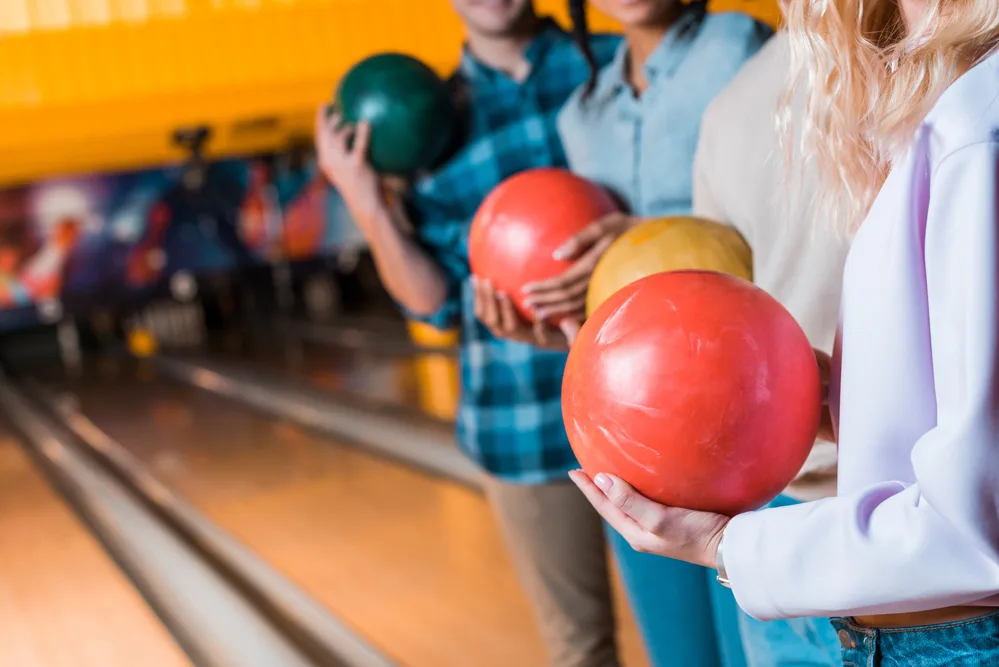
(720, 566)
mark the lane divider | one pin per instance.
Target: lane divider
(325, 638)
(210, 619)
(377, 427)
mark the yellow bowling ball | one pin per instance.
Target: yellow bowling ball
(142, 343)
(668, 244)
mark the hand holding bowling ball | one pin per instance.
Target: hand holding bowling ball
(497, 312)
(341, 152)
(689, 397)
(695, 387)
(407, 107)
(521, 225)
(650, 527)
(565, 294)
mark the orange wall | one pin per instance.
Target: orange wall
(90, 85)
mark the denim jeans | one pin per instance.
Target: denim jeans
(685, 617)
(794, 642)
(970, 643)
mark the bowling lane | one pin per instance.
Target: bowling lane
(421, 381)
(63, 602)
(413, 563)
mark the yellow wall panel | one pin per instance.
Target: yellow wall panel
(101, 84)
(91, 85)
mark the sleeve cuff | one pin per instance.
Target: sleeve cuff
(446, 317)
(747, 574)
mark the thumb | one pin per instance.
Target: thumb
(646, 513)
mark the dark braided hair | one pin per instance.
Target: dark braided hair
(581, 35)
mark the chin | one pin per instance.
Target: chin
(638, 12)
(493, 17)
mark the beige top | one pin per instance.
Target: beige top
(798, 258)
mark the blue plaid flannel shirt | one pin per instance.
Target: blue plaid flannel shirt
(510, 418)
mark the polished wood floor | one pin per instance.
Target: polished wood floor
(63, 602)
(414, 564)
(392, 380)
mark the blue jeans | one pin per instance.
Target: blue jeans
(795, 642)
(970, 643)
(683, 615)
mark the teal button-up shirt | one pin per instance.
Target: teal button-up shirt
(642, 148)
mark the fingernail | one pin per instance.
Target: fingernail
(603, 482)
(561, 253)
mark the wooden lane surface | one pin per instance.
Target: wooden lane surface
(414, 564)
(393, 380)
(63, 602)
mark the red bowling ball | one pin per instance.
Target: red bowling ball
(697, 388)
(524, 221)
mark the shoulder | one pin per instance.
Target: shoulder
(967, 114)
(733, 30)
(723, 44)
(579, 110)
(758, 83)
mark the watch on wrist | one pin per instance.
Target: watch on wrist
(720, 566)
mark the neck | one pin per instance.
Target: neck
(505, 53)
(642, 41)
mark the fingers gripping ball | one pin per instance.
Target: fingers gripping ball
(408, 107)
(668, 244)
(695, 387)
(524, 220)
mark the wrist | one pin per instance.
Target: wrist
(714, 556)
(722, 576)
(374, 219)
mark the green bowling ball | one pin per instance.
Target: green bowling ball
(408, 106)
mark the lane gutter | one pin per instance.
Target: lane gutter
(325, 638)
(209, 618)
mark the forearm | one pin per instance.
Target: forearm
(883, 550)
(409, 274)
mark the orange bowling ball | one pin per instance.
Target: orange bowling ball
(524, 220)
(697, 388)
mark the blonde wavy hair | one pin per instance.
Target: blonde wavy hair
(868, 83)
